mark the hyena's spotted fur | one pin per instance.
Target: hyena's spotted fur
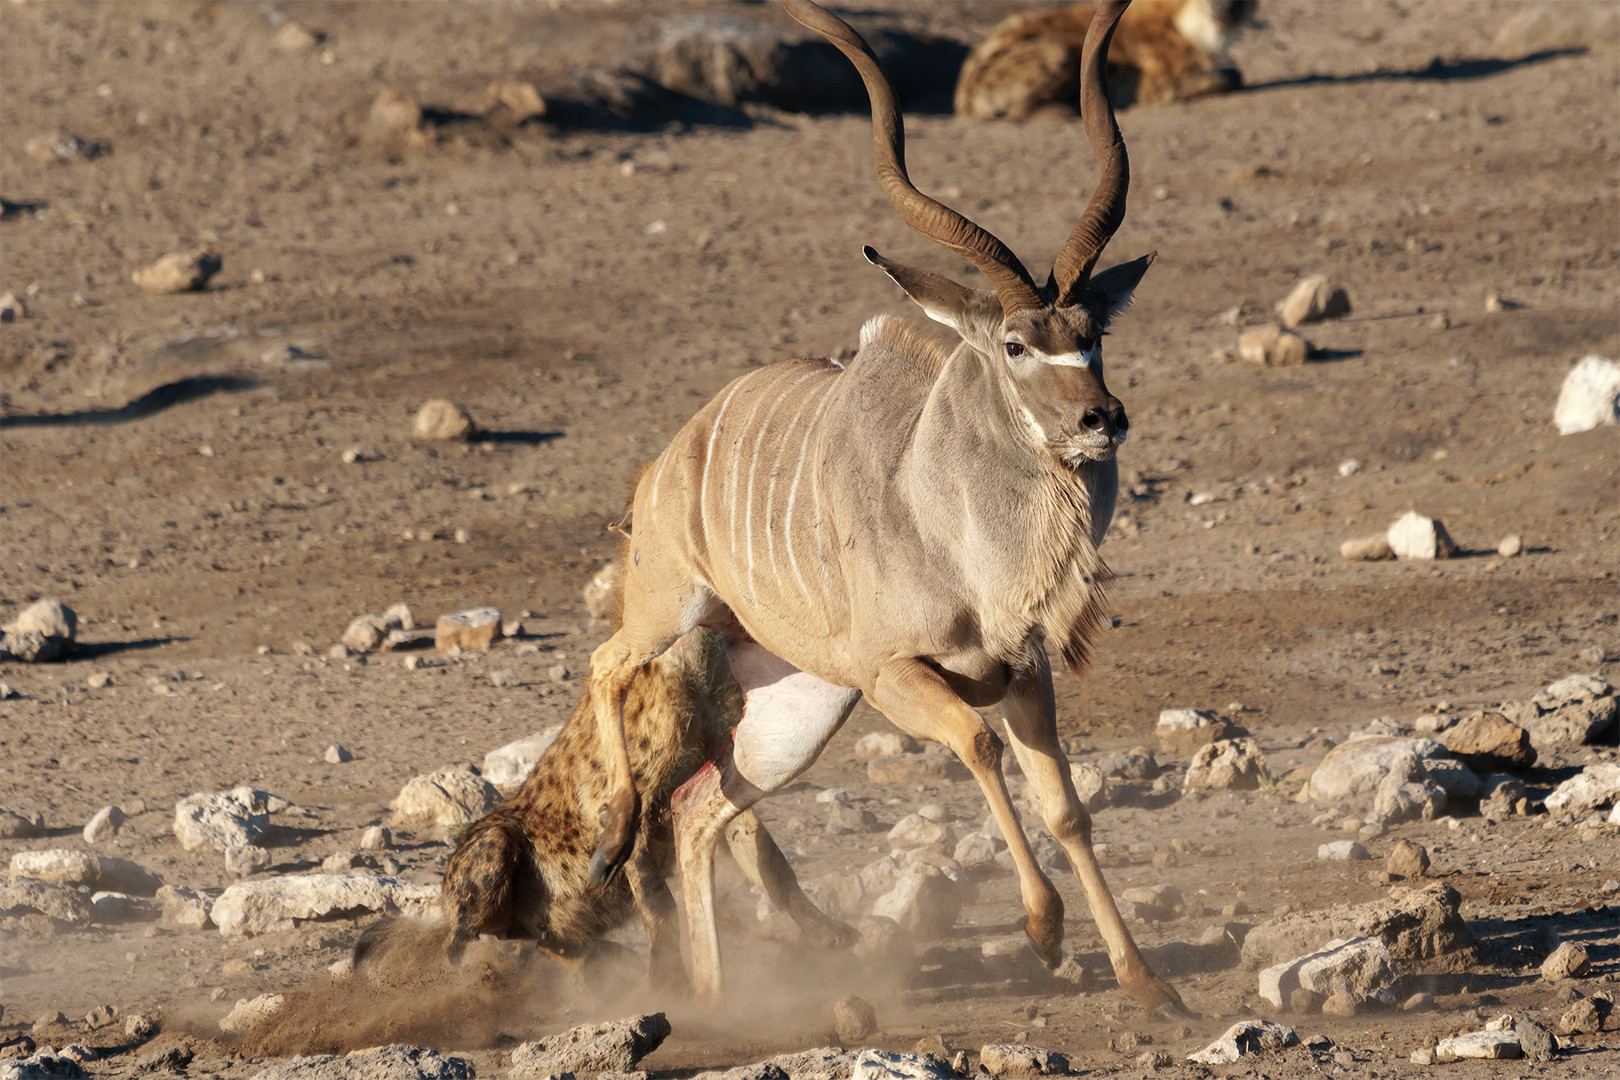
(523, 870)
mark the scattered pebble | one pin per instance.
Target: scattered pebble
(1313, 300)
(178, 272)
(1589, 396)
(337, 755)
(1272, 346)
(475, 629)
(1418, 536)
(442, 421)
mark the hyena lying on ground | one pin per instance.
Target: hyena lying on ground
(523, 869)
(1164, 50)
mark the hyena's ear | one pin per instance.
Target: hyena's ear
(1109, 294)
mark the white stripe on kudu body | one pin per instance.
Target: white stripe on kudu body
(953, 500)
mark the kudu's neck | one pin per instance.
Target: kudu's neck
(1012, 521)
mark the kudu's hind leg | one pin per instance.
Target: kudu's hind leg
(763, 863)
(788, 716)
(919, 701)
(1030, 713)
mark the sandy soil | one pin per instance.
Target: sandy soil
(173, 470)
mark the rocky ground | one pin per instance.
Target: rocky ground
(217, 482)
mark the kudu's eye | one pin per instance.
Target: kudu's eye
(1014, 349)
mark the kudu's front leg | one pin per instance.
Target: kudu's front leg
(1030, 713)
(919, 701)
(613, 665)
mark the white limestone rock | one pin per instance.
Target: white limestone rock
(508, 766)
(1589, 397)
(221, 819)
(1491, 1045)
(1246, 1037)
(281, 903)
(1418, 536)
(1594, 786)
(453, 796)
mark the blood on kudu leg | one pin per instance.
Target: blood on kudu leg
(788, 716)
(1030, 713)
(919, 702)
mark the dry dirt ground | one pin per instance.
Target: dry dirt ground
(171, 467)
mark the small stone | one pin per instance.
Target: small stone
(1417, 536)
(184, 908)
(1340, 1003)
(1419, 1002)
(244, 860)
(1245, 1037)
(337, 755)
(393, 113)
(1535, 1040)
(1589, 397)
(249, 1011)
(1349, 467)
(1011, 1059)
(48, 618)
(1511, 546)
(1490, 1045)
(1582, 1018)
(61, 148)
(451, 797)
(104, 826)
(1154, 1060)
(376, 838)
(1183, 731)
(178, 272)
(97, 680)
(884, 744)
(518, 98)
(1313, 300)
(928, 767)
(1232, 764)
(557, 673)
(1407, 860)
(1366, 549)
(294, 38)
(914, 831)
(1342, 851)
(100, 1017)
(616, 1046)
(854, 1019)
(442, 421)
(366, 633)
(1485, 740)
(1568, 961)
(11, 308)
(1272, 346)
(1423, 1055)
(140, 1026)
(467, 630)
(1440, 321)
(1494, 304)
(504, 679)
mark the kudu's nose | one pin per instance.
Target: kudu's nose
(1110, 421)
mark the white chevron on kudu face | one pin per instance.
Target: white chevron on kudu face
(918, 527)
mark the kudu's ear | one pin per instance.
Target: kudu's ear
(942, 299)
(1109, 293)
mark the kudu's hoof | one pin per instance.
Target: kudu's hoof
(1046, 938)
(1160, 1000)
(618, 822)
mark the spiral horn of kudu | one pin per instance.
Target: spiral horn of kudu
(1014, 287)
